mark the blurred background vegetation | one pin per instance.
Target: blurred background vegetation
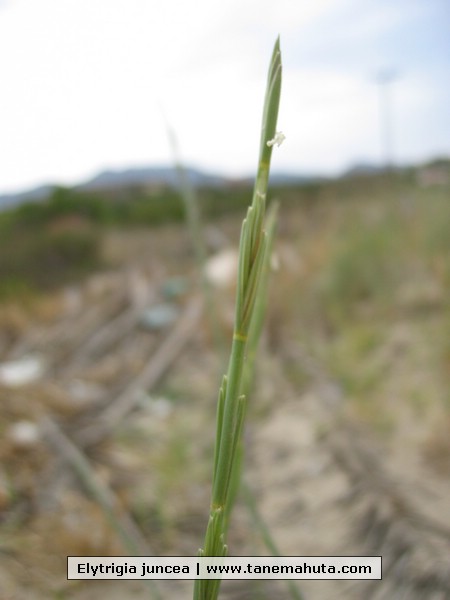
(382, 225)
(359, 302)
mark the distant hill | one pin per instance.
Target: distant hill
(438, 166)
(140, 176)
(167, 176)
(361, 169)
(150, 176)
(147, 176)
(34, 195)
(279, 178)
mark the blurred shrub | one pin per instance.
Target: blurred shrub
(361, 272)
(153, 209)
(46, 256)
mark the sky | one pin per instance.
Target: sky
(88, 85)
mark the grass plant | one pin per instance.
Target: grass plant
(231, 402)
(194, 224)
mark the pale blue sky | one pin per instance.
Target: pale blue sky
(82, 83)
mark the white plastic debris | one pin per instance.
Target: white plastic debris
(221, 268)
(24, 434)
(19, 372)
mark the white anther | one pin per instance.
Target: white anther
(278, 139)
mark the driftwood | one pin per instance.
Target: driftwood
(103, 338)
(63, 338)
(362, 464)
(121, 521)
(111, 331)
(389, 517)
(158, 365)
(388, 523)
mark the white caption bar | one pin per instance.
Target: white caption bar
(230, 567)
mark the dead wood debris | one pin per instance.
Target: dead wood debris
(104, 322)
(387, 521)
(414, 547)
(392, 516)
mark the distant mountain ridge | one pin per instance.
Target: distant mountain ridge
(33, 195)
(167, 176)
(150, 176)
(146, 176)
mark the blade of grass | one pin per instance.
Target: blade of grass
(248, 376)
(251, 261)
(252, 342)
(194, 223)
(121, 522)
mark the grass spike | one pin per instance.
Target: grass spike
(231, 409)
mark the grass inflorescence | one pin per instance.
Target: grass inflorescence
(231, 402)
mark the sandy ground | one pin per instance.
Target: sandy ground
(324, 483)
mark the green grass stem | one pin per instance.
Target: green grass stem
(231, 406)
(194, 223)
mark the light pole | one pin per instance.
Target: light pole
(384, 80)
